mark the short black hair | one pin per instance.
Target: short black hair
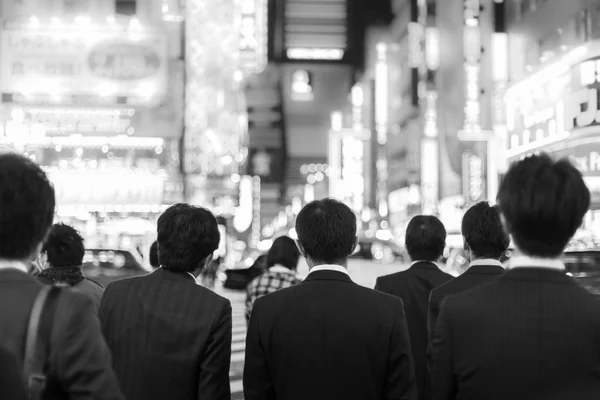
(64, 246)
(154, 255)
(327, 230)
(425, 238)
(26, 206)
(284, 252)
(186, 236)
(483, 231)
(543, 203)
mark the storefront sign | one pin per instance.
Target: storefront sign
(253, 46)
(115, 188)
(70, 61)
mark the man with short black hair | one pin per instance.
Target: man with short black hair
(533, 332)
(327, 337)
(78, 365)
(61, 259)
(170, 337)
(485, 241)
(425, 241)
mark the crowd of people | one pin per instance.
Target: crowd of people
(525, 330)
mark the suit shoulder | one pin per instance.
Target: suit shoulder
(74, 301)
(212, 296)
(392, 277)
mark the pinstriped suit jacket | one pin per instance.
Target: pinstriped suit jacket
(170, 338)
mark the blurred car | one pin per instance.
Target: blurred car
(108, 265)
(584, 266)
(378, 250)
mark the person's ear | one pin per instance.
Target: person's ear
(300, 248)
(354, 245)
(465, 245)
(207, 261)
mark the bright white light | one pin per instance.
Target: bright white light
(227, 160)
(319, 176)
(238, 76)
(56, 22)
(432, 48)
(108, 89)
(135, 24)
(83, 20)
(357, 96)
(34, 22)
(315, 54)
(337, 121)
(111, 19)
(158, 150)
(311, 179)
(235, 178)
(500, 56)
(264, 245)
(293, 234)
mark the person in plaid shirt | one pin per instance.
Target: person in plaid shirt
(282, 262)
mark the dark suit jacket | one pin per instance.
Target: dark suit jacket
(531, 334)
(170, 338)
(471, 278)
(413, 287)
(11, 377)
(328, 338)
(79, 362)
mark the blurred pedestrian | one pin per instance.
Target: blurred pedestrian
(61, 259)
(77, 364)
(425, 241)
(208, 276)
(485, 241)
(153, 256)
(534, 332)
(170, 337)
(327, 337)
(282, 262)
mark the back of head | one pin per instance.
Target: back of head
(327, 231)
(154, 255)
(425, 238)
(543, 203)
(26, 206)
(187, 235)
(64, 246)
(483, 231)
(283, 252)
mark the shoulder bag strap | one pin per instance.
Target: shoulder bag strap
(38, 339)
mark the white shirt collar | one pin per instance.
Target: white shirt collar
(14, 265)
(485, 261)
(424, 261)
(329, 267)
(522, 261)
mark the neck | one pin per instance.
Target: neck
(4, 261)
(311, 263)
(520, 253)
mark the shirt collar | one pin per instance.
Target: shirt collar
(485, 261)
(522, 261)
(14, 265)
(192, 275)
(329, 267)
(424, 261)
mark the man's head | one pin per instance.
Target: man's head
(154, 255)
(283, 252)
(63, 247)
(187, 238)
(483, 232)
(26, 207)
(326, 232)
(543, 203)
(425, 238)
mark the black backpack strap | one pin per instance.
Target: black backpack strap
(37, 345)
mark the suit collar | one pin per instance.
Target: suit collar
(537, 274)
(481, 269)
(327, 275)
(422, 264)
(16, 275)
(180, 275)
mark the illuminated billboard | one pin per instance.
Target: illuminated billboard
(65, 61)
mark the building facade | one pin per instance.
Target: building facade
(551, 103)
(93, 91)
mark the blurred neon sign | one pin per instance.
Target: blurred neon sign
(315, 54)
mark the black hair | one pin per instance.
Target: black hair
(64, 246)
(187, 235)
(285, 252)
(483, 231)
(154, 255)
(327, 231)
(425, 238)
(543, 203)
(26, 206)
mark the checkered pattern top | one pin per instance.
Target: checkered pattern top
(270, 281)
